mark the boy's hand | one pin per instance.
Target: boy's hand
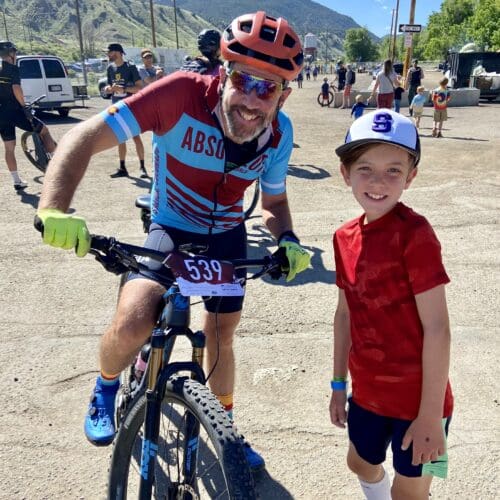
(338, 414)
(427, 436)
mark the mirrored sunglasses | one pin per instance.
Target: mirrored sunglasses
(265, 89)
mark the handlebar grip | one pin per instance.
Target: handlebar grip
(37, 222)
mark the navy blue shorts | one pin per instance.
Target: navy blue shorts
(228, 245)
(371, 434)
(12, 118)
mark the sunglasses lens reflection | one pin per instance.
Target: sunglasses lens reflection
(265, 89)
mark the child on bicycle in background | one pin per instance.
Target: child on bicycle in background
(325, 92)
(391, 329)
(417, 105)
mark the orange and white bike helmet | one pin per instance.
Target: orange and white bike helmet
(263, 42)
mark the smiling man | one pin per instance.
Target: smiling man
(213, 137)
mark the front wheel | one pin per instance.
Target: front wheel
(323, 101)
(212, 466)
(34, 150)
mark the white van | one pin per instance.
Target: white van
(46, 75)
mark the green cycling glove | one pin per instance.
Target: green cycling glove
(66, 231)
(298, 258)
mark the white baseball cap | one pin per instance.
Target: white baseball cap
(382, 126)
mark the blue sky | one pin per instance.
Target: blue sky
(376, 15)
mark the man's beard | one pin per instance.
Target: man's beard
(237, 131)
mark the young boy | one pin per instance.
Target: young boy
(391, 326)
(417, 105)
(440, 98)
(325, 92)
(398, 94)
(359, 107)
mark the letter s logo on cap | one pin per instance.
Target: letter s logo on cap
(382, 122)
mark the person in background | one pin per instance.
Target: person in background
(124, 81)
(148, 72)
(350, 80)
(325, 92)
(13, 112)
(414, 78)
(440, 98)
(341, 73)
(300, 80)
(359, 107)
(385, 82)
(417, 105)
(398, 94)
(208, 62)
(391, 328)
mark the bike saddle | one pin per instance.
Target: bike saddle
(143, 201)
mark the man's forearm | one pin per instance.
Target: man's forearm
(18, 94)
(277, 218)
(71, 159)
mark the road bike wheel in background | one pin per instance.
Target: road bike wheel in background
(322, 102)
(34, 150)
(251, 199)
(221, 467)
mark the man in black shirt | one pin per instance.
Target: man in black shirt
(341, 75)
(12, 112)
(414, 79)
(123, 81)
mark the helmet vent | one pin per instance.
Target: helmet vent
(246, 26)
(268, 34)
(289, 41)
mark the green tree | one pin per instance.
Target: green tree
(485, 24)
(359, 46)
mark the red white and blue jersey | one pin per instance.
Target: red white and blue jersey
(190, 189)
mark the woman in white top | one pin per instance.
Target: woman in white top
(385, 82)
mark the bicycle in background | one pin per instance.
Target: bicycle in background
(32, 144)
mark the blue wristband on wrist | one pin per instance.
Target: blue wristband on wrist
(338, 385)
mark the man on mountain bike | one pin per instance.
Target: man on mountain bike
(213, 137)
(13, 111)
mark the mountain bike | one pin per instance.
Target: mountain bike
(32, 144)
(175, 440)
(250, 200)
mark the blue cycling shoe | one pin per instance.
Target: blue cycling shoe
(100, 419)
(255, 461)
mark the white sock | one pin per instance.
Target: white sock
(377, 491)
(15, 177)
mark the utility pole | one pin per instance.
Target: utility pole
(80, 37)
(409, 50)
(5, 25)
(175, 22)
(391, 52)
(153, 34)
(394, 37)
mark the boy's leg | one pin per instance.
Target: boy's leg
(369, 436)
(411, 488)
(412, 482)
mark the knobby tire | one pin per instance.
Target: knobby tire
(33, 149)
(224, 449)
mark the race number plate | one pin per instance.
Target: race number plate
(204, 276)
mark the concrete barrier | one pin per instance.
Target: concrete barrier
(459, 97)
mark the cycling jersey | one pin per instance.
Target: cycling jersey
(196, 187)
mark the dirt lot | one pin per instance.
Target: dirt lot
(55, 307)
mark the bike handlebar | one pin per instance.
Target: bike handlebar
(36, 101)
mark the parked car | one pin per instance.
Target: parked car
(47, 75)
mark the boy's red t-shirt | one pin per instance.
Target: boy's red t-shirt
(381, 266)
